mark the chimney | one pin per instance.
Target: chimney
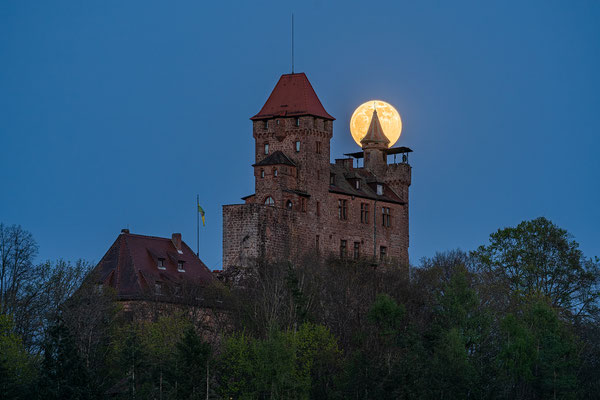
(176, 239)
(124, 230)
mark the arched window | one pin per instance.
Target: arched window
(269, 201)
(289, 205)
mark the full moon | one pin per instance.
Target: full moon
(388, 116)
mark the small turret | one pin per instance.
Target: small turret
(374, 143)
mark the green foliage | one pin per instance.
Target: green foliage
(17, 372)
(193, 361)
(537, 258)
(539, 355)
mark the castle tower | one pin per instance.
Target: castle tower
(374, 145)
(292, 132)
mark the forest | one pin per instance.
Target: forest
(516, 318)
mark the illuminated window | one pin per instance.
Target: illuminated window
(269, 201)
(161, 263)
(297, 146)
(356, 250)
(343, 248)
(266, 148)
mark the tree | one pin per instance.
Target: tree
(537, 258)
(538, 357)
(193, 360)
(17, 251)
(16, 368)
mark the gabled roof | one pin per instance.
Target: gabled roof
(130, 266)
(277, 158)
(292, 96)
(345, 179)
(375, 133)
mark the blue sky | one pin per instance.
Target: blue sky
(116, 114)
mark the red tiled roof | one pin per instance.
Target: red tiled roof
(130, 266)
(292, 96)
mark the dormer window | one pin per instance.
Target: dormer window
(161, 263)
(357, 184)
(379, 189)
(180, 266)
(297, 146)
(266, 148)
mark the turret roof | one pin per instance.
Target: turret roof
(292, 96)
(277, 158)
(375, 133)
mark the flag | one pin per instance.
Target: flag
(201, 211)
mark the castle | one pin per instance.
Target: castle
(305, 205)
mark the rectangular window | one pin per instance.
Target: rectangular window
(158, 288)
(266, 148)
(318, 148)
(180, 266)
(379, 190)
(297, 121)
(262, 173)
(297, 146)
(267, 124)
(386, 216)
(364, 213)
(161, 263)
(357, 184)
(274, 171)
(332, 179)
(342, 209)
(382, 252)
(342, 249)
(356, 250)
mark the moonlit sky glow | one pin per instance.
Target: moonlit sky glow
(390, 120)
(115, 114)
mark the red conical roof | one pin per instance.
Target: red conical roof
(293, 96)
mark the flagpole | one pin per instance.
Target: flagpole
(197, 226)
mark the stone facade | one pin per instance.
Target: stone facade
(302, 203)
